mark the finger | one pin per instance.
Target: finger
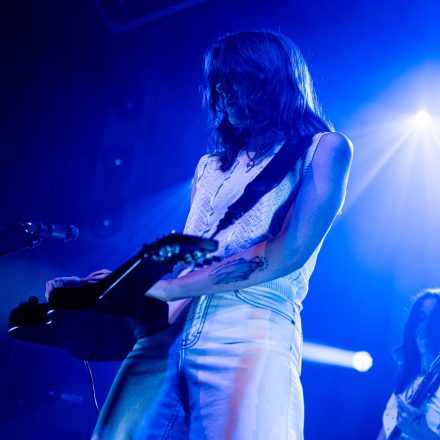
(49, 287)
(67, 281)
(402, 413)
(101, 272)
(59, 282)
(87, 280)
(401, 406)
(94, 279)
(53, 284)
(401, 403)
(409, 409)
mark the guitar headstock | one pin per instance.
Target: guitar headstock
(176, 247)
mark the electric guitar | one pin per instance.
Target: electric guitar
(427, 388)
(96, 322)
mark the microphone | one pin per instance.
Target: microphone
(48, 230)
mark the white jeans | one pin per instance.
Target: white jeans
(230, 370)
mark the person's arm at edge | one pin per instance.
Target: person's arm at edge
(319, 200)
(381, 435)
(194, 185)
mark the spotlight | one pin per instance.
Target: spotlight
(362, 361)
(421, 119)
(358, 360)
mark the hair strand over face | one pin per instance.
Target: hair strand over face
(275, 84)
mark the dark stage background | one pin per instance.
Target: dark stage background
(102, 128)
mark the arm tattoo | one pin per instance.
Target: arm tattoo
(237, 270)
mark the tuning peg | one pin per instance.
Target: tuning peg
(196, 254)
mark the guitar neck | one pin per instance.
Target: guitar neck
(121, 292)
(105, 285)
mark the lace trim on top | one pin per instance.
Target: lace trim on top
(216, 191)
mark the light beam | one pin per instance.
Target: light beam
(358, 360)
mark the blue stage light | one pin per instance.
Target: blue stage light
(362, 361)
(358, 360)
(421, 119)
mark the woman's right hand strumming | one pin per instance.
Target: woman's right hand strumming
(73, 281)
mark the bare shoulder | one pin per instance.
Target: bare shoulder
(332, 161)
(335, 147)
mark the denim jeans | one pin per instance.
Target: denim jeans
(229, 370)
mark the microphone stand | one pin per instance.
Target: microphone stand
(23, 240)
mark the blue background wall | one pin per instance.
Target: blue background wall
(77, 96)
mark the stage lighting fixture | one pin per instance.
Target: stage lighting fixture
(358, 360)
(362, 361)
(421, 119)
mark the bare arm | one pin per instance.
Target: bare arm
(319, 200)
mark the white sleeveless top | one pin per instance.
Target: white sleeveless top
(217, 190)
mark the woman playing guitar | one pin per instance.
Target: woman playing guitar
(413, 411)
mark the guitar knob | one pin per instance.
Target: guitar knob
(33, 300)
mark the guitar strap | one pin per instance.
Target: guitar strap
(266, 180)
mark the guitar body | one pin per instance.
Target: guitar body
(102, 321)
(85, 334)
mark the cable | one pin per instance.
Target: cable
(92, 386)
